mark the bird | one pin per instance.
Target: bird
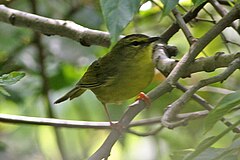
(120, 74)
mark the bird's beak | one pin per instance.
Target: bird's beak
(153, 39)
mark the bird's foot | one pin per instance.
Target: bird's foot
(142, 96)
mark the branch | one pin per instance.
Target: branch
(222, 12)
(170, 114)
(72, 30)
(207, 64)
(168, 84)
(14, 119)
(183, 65)
(174, 28)
(153, 132)
(7, 118)
(50, 26)
(192, 115)
(52, 122)
(79, 33)
(207, 106)
(183, 26)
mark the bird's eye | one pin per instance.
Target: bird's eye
(135, 43)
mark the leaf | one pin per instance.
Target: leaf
(179, 154)
(197, 2)
(200, 148)
(230, 152)
(118, 14)
(4, 92)
(168, 6)
(11, 78)
(226, 104)
(205, 144)
(220, 153)
(209, 154)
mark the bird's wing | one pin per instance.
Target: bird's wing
(100, 73)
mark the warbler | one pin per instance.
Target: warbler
(119, 75)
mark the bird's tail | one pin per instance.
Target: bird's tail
(75, 92)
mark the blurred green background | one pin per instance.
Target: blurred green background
(63, 62)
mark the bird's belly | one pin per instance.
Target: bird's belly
(126, 85)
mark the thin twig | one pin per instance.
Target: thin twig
(207, 106)
(173, 109)
(222, 34)
(224, 39)
(210, 15)
(231, 42)
(183, 26)
(205, 20)
(222, 12)
(150, 133)
(166, 35)
(195, 49)
(165, 65)
(14, 119)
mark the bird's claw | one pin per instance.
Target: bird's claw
(142, 96)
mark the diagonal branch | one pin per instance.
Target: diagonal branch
(202, 43)
(170, 114)
(207, 106)
(222, 12)
(174, 28)
(183, 26)
(88, 37)
(168, 84)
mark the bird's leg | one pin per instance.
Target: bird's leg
(116, 126)
(108, 115)
(142, 96)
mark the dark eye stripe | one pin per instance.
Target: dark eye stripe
(136, 43)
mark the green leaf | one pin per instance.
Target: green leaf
(168, 6)
(205, 144)
(228, 152)
(224, 106)
(4, 92)
(11, 78)
(197, 2)
(180, 154)
(200, 148)
(220, 153)
(117, 14)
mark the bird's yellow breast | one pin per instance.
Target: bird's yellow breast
(134, 75)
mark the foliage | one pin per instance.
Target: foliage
(9, 79)
(227, 103)
(118, 14)
(54, 64)
(168, 6)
